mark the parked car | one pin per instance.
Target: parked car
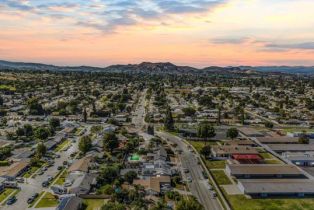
(60, 168)
(40, 172)
(49, 178)
(20, 179)
(59, 190)
(11, 200)
(186, 170)
(31, 199)
(45, 184)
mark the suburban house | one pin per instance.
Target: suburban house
(81, 183)
(155, 185)
(14, 170)
(70, 203)
(81, 165)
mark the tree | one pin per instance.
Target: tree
(303, 138)
(28, 130)
(219, 116)
(108, 174)
(188, 111)
(130, 176)
(42, 133)
(150, 129)
(54, 122)
(85, 144)
(188, 204)
(232, 133)
(34, 107)
(110, 141)
(205, 130)
(169, 122)
(206, 150)
(20, 132)
(85, 115)
(269, 125)
(41, 150)
(113, 206)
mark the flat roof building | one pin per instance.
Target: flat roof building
(278, 140)
(291, 147)
(226, 151)
(248, 171)
(276, 187)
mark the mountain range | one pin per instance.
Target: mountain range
(160, 68)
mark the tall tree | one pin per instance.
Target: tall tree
(169, 122)
(85, 144)
(188, 204)
(205, 130)
(41, 149)
(110, 141)
(232, 133)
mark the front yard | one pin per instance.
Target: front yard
(48, 200)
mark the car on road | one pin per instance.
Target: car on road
(213, 194)
(189, 179)
(31, 199)
(186, 170)
(11, 200)
(205, 175)
(57, 156)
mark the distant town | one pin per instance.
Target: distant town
(155, 136)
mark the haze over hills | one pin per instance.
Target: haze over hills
(165, 68)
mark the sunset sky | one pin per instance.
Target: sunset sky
(186, 32)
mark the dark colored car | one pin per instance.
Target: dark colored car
(11, 200)
(45, 184)
(31, 199)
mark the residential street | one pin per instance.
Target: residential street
(33, 185)
(198, 186)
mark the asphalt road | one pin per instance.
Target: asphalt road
(33, 185)
(198, 186)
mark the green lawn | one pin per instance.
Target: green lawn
(62, 145)
(94, 204)
(215, 164)
(198, 145)
(47, 201)
(266, 155)
(61, 179)
(220, 177)
(240, 202)
(5, 194)
(32, 170)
